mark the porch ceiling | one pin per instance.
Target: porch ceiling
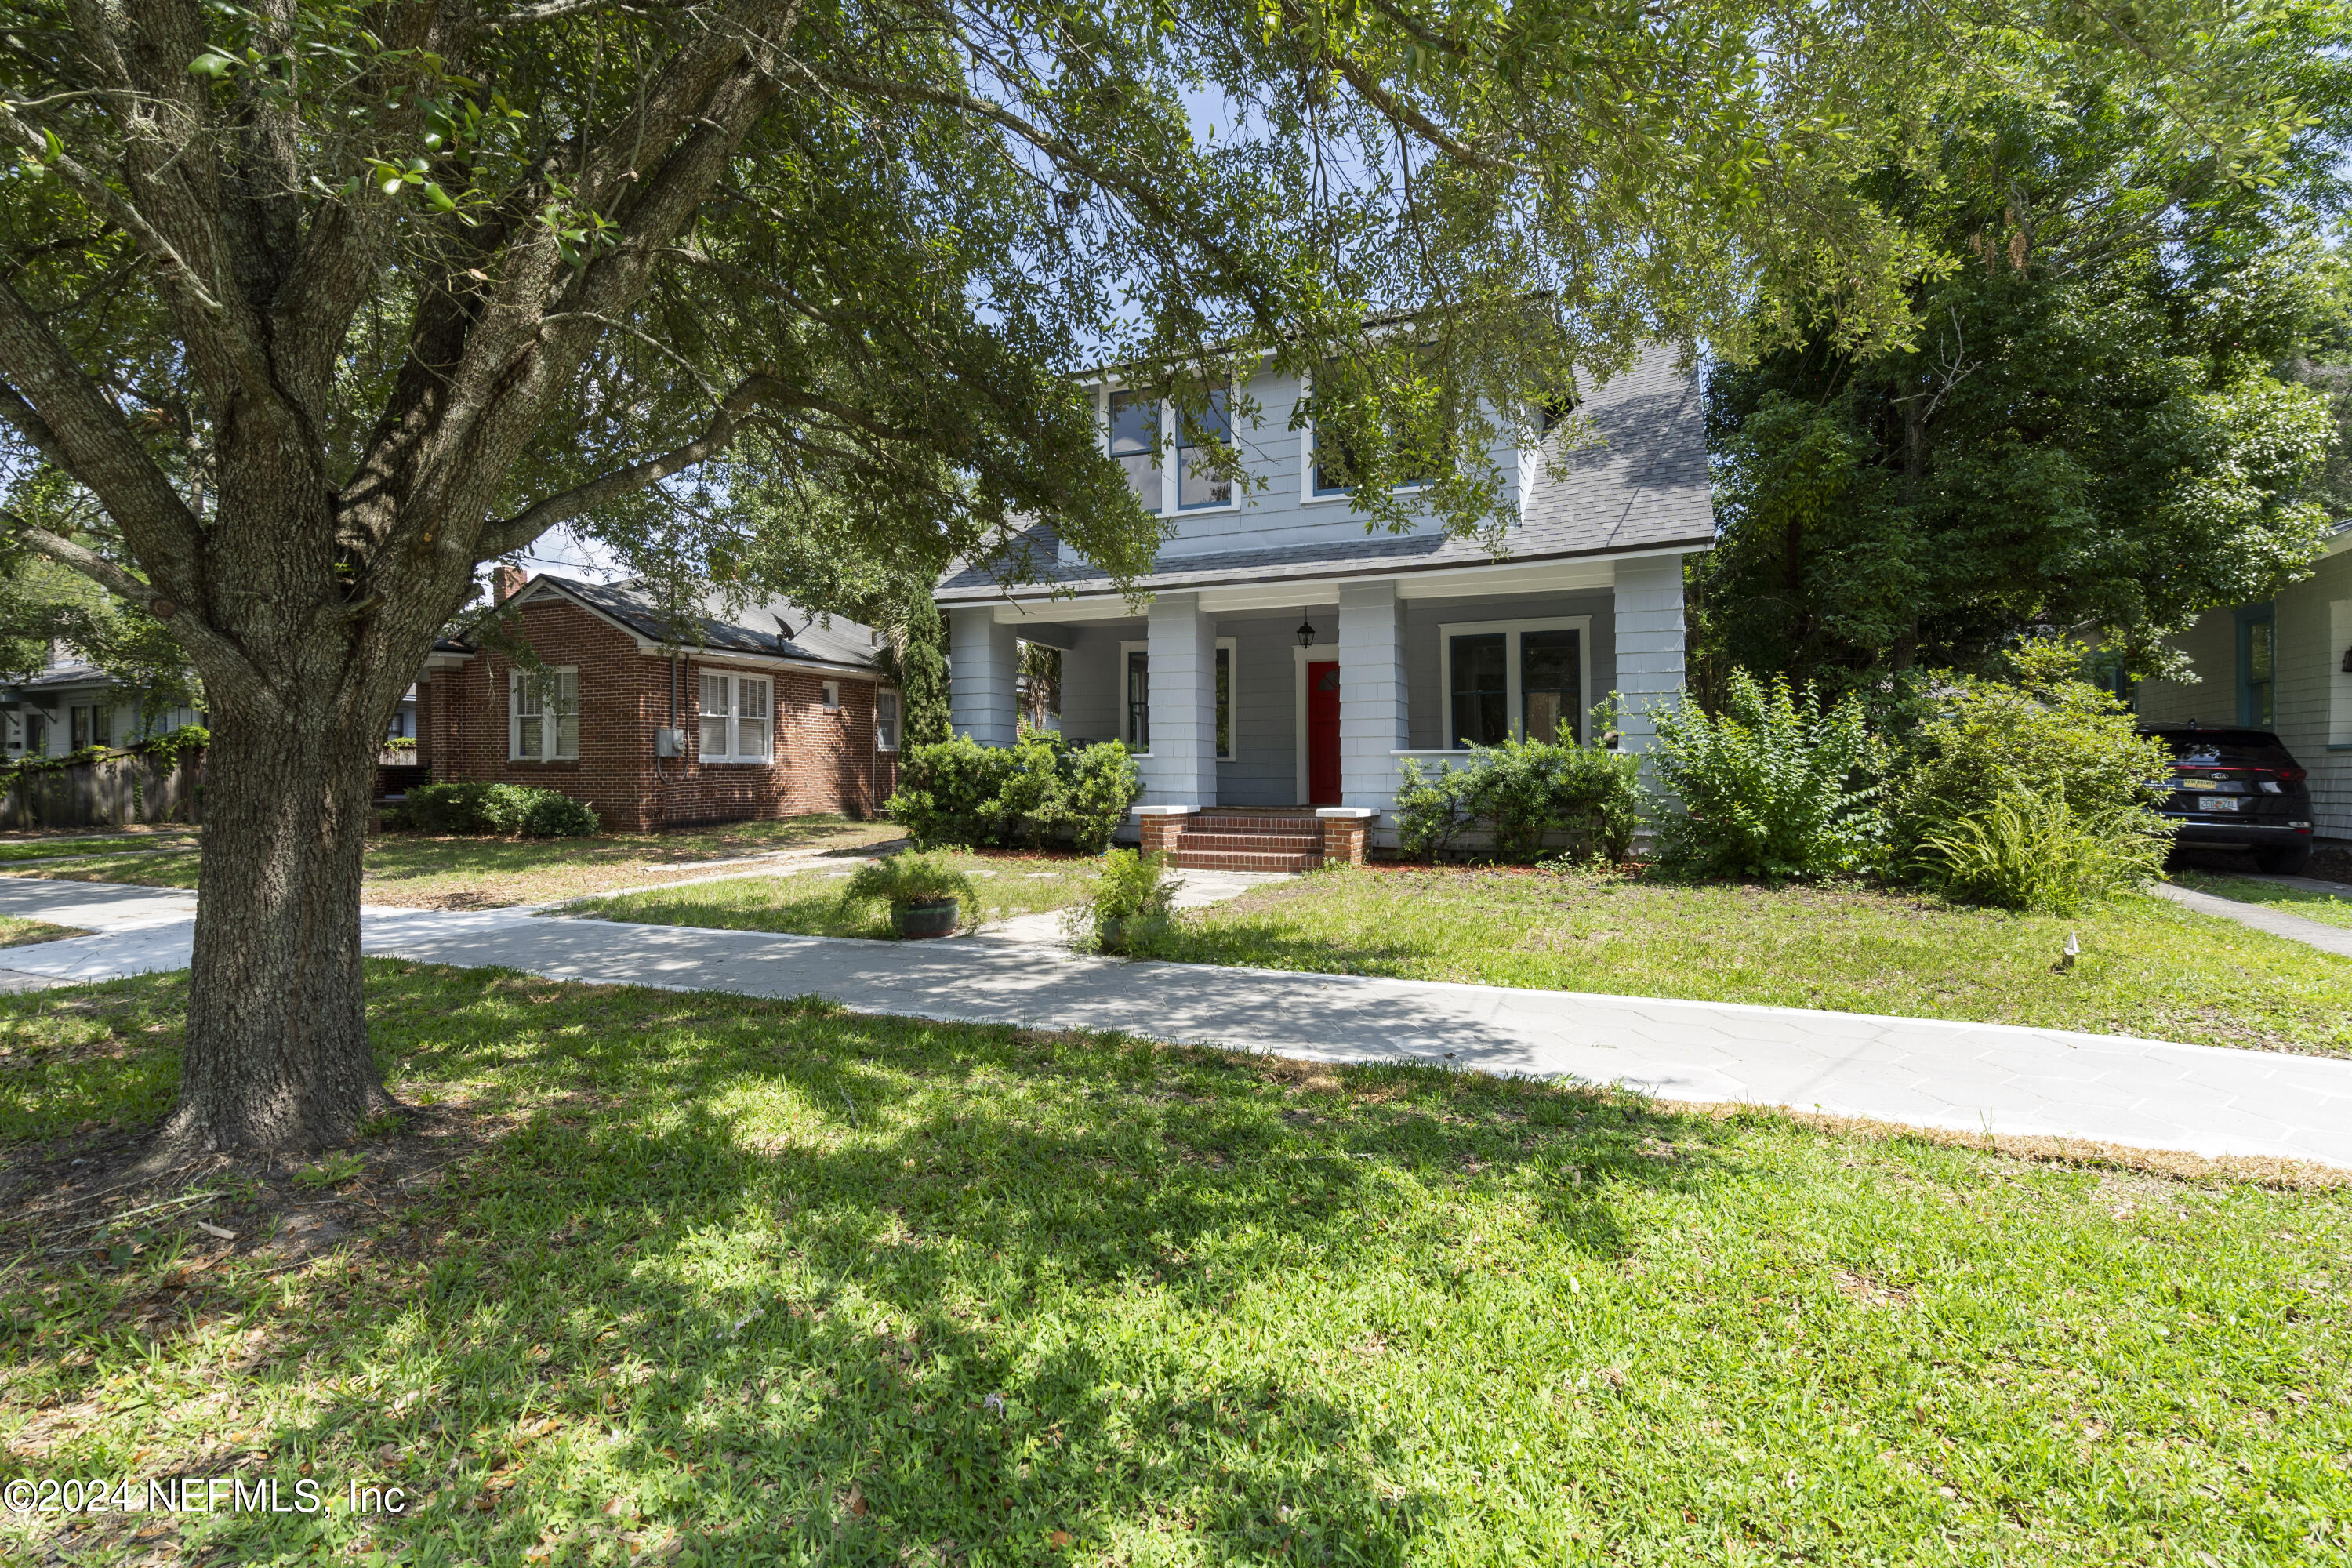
(1293, 592)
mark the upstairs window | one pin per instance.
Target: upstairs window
(1197, 485)
(734, 717)
(543, 715)
(1334, 465)
(1135, 444)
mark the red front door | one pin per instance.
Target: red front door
(1323, 733)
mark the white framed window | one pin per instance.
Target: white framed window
(1228, 716)
(543, 715)
(1134, 434)
(1321, 477)
(1517, 679)
(886, 720)
(733, 717)
(1135, 698)
(833, 696)
(1198, 487)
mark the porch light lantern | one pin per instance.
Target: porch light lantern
(1307, 633)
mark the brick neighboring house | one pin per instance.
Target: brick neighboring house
(728, 718)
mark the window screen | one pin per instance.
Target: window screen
(1138, 700)
(1195, 484)
(716, 712)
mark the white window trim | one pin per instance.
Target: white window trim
(514, 717)
(828, 698)
(893, 692)
(1581, 625)
(1171, 455)
(734, 725)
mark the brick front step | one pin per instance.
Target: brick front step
(1252, 843)
(1239, 860)
(1218, 822)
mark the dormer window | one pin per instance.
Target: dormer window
(1135, 444)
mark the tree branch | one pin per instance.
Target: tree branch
(511, 534)
(62, 413)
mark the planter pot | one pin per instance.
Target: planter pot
(936, 918)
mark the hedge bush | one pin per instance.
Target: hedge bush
(465, 810)
(2045, 732)
(960, 792)
(1773, 786)
(1522, 793)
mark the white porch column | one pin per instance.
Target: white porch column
(983, 660)
(1182, 767)
(1649, 643)
(1371, 693)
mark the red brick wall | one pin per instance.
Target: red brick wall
(825, 760)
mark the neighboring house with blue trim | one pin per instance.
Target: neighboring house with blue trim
(1288, 658)
(2286, 667)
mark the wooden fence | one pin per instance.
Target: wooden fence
(128, 786)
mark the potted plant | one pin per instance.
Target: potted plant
(1133, 896)
(921, 890)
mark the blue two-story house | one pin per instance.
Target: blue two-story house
(1288, 659)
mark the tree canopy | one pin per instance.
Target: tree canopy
(2107, 422)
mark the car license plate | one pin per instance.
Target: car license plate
(2218, 802)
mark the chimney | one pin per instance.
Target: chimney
(505, 581)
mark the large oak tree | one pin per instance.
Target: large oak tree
(321, 306)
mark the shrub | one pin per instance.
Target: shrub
(1773, 786)
(957, 791)
(481, 809)
(2046, 733)
(1133, 899)
(2030, 851)
(551, 814)
(1521, 793)
(908, 877)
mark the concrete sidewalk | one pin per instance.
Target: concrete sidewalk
(2004, 1081)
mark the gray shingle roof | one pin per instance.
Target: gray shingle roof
(1645, 487)
(754, 628)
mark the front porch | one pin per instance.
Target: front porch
(1289, 720)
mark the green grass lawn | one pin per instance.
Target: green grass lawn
(2335, 909)
(715, 1280)
(809, 902)
(113, 842)
(2147, 967)
(411, 869)
(17, 931)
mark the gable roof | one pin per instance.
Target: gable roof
(757, 629)
(1644, 488)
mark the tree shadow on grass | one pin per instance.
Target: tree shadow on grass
(756, 1281)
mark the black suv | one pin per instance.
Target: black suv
(2238, 789)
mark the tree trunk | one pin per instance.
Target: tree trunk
(277, 1054)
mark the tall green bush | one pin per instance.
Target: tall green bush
(1773, 785)
(2044, 733)
(960, 792)
(1521, 793)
